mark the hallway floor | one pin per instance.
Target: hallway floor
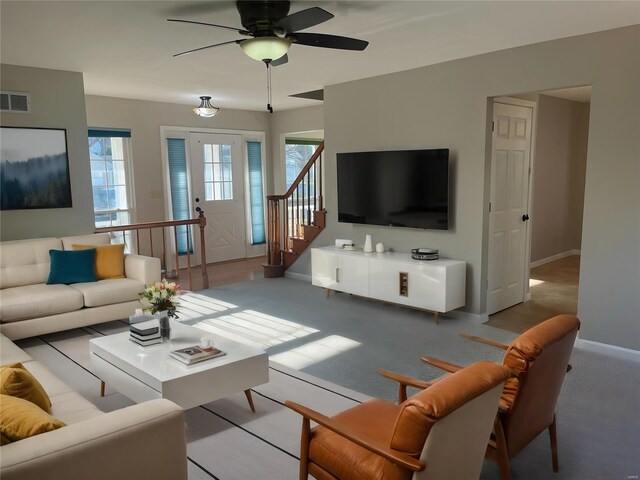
(554, 290)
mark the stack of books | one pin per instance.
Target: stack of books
(145, 333)
(195, 354)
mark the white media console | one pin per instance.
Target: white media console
(436, 285)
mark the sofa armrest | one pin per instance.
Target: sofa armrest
(144, 269)
(142, 441)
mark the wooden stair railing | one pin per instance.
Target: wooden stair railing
(201, 221)
(295, 218)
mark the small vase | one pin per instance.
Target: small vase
(368, 245)
(165, 326)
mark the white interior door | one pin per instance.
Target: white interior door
(217, 179)
(508, 215)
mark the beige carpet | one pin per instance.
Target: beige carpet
(554, 290)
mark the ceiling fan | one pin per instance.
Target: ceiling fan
(271, 31)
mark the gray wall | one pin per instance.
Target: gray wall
(57, 101)
(559, 176)
(446, 105)
(144, 118)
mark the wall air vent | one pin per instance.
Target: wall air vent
(15, 102)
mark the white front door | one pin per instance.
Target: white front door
(217, 179)
(508, 215)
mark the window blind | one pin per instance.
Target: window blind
(302, 141)
(256, 197)
(179, 186)
(109, 133)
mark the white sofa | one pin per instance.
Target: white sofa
(147, 440)
(29, 307)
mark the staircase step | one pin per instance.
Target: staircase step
(319, 218)
(299, 245)
(288, 257)
(273, 271)
(311, 232)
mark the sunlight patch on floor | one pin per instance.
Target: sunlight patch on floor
(255, 328)
(533, 282)
(314, 352)
(195, 305)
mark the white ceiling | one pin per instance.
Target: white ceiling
(125, 48)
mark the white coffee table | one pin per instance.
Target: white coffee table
(146, 373)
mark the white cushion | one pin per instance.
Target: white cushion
(26, 262)
(92, 239)
(66, 404)
(11, 353)
(51, 384)
(109, 291)
(71, 407)
(31, 301)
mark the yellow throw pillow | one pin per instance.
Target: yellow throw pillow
(20, 419)
(17, 381)
(109, 259)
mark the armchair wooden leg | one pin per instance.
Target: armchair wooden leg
(554, 445)
(501, 450)
(102, 385)
(402, 393)
(250, 400)
(304, 450)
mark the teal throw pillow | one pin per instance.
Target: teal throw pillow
(72, 266)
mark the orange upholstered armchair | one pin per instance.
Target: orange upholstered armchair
(439, 433)
(539, 359)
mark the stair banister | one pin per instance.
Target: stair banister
(286, 217)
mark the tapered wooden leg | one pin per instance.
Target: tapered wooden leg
(304, 450)
(250, 400)
(327, 292)
(102, 385)
(501, 447)
(402, 393)
(437, 315)
(554, 445)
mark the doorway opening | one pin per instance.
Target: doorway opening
(551, 259)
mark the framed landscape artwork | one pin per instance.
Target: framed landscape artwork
(34, 168)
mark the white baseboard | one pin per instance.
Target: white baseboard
(553, 258)
(298, 276)
(606, 349)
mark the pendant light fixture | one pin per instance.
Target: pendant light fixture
(266, 49)
(205, 109)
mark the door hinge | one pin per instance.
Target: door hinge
(489, 207)
(493, 125)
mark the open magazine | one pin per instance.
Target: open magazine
(195, 354)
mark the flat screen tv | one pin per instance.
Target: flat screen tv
(405, 188)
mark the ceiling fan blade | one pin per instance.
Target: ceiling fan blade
(239, 30)
(204, 48)
(304, 19)
(280, 61)
(328, 41)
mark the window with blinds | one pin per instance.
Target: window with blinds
(110, 158)
(256, 194)
(179, 186)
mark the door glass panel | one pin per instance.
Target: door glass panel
(217, 171)
(208, 172)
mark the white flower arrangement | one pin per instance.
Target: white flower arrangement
(161, 297)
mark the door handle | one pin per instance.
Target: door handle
(525, 217)
(337, 271)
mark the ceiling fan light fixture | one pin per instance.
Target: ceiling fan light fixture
(265, 49)
(205, 109)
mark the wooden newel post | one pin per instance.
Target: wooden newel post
(203, 249)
